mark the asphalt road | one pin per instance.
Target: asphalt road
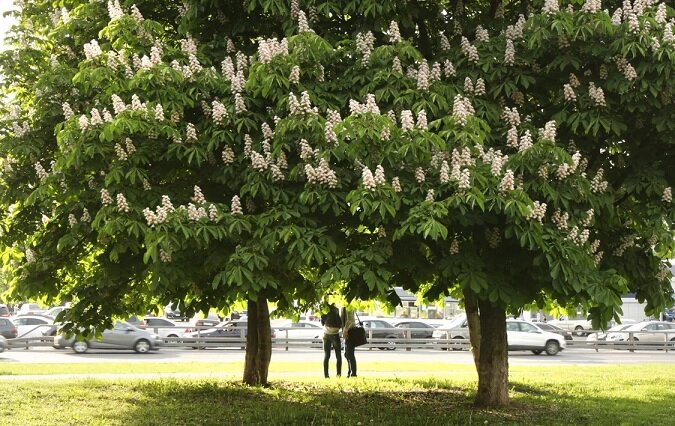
(571, 356)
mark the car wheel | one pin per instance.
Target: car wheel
(80, 346)
(391, 344)
(457, 346)
(537, 351)
(579, 331)
(552, 347)
(142, 346)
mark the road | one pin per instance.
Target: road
(571, 356)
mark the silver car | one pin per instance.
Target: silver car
(122, 336)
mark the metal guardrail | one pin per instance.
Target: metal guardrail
(284, 340)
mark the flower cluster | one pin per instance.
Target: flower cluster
(239, 104)
(120, 152)
(419, 175)
(106, 199)
(512, 137)
(537, 211)
(548, 132)
(356, 108)
(118, 105)
(511, 116)
(479, 87)
(294, 77)
(430, 195)
(83, 122)
(598, 184)
(568, 92)
(228, 155)
(509, 53)
(597, 94)
(72, 220)
(515, 32)
(267, 50)
(407, 120)
(218, 112)
(396, 65)
(196, 213)
(303, 26)
(67, 110)
(40, 171)
(493, 237)
(445, 172)
(469, 50)
(422, 120)
(560, 219)
(616, 17)
(464, 181)
(304, 106)
(191, 132)
(454, 246)
(626, 68)
(592, 6)
(30, 256)
(579, 237)
(114, 10)
(368, 179)
(364, 44)
(396, 184)
(258, 161)
(122, 204)
(667, 195)
(164, 256)
(445, 43)
(449, 69)
(323, 174)
(462, 109)
(550, 7)
(423, 76)
(626, 242)
(92, 50)
(508, 182)
(394, 33)
(586, 221)
(21, 130)
(482, 34)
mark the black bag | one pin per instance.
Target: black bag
(356, 336)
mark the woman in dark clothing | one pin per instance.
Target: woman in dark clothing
(348, 322)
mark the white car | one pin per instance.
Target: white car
(33, 326)
(3, 343)
(649, 332)
(161, 327)
(298, 330)
(576, 325)
(526, 336)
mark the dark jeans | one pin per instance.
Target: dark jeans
(332, 341)
(351, 359)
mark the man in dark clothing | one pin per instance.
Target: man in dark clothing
(331, 338)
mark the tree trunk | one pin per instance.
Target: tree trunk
(493, 374)
(473, 319)
(258, 343)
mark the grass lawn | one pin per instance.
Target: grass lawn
(570, 395)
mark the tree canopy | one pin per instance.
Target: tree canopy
(213, 151)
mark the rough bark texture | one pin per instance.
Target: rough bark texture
(493, 374)
(258, 343)
(473, 319)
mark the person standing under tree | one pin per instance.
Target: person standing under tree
(331, 338)
(347, 323)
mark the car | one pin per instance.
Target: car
(383, 331)
(122, 336)
(3, 344)
(456, 329)
(576, 325)
(33, 326)
(417, 329)
(226, 333)
(610, 334)
(161, 326)
(201, 324)
(54, 311)
(648, 332)
(174, 313)
(4, 310)
(7, 328)
(552, 328)
(298, 330)
(669, 315)
(30, 309)
(526, 336)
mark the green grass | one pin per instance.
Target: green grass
(571, 395)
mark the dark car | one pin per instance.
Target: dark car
(7, 328)
(419, 330)
(669, 315)
(555, 329)
(383, 333)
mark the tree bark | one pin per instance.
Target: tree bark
(258, 343)
(473, 319)
(493, 373)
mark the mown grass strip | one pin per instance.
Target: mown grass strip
(570, 395)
